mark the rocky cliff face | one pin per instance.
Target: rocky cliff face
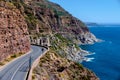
(51, 18)
(45, 18)
(13, 31)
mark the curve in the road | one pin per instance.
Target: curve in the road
(18, 69)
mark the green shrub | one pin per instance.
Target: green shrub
(13, 56)
(1, 63)
(58, 13)
(79, 65)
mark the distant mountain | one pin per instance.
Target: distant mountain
(91, 24)
(101, 24)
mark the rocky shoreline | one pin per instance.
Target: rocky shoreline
(89, 39)
(82, 55)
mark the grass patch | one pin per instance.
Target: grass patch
(79, 65)
(33, 76)
(10, 58)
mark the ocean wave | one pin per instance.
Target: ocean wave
(91, 53)
(101, 40)
(89, 59)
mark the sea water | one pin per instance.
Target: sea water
(105, 60)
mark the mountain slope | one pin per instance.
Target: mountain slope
(53, 67)
(64, 32)
(52, 18)
(49, 23)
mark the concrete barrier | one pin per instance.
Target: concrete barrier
(2, 67)
(35, 63)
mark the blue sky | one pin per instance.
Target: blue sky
(99, 11)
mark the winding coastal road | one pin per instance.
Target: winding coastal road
(18, 69)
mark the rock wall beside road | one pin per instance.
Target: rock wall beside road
(14, 37)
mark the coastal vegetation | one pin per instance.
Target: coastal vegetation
(52, 66)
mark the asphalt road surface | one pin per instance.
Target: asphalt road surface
(18, 69)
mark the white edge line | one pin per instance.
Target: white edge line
(2, 67)
(17, 70)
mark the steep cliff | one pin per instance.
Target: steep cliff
(14, 36)
(64, 31)
(47, 17)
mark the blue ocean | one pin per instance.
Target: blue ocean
(105, 62)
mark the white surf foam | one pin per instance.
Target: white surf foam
(89, 59)
(91, 53)
(100, 40)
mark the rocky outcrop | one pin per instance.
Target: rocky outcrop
(14, 37)
(53, 67)
(87, 38)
